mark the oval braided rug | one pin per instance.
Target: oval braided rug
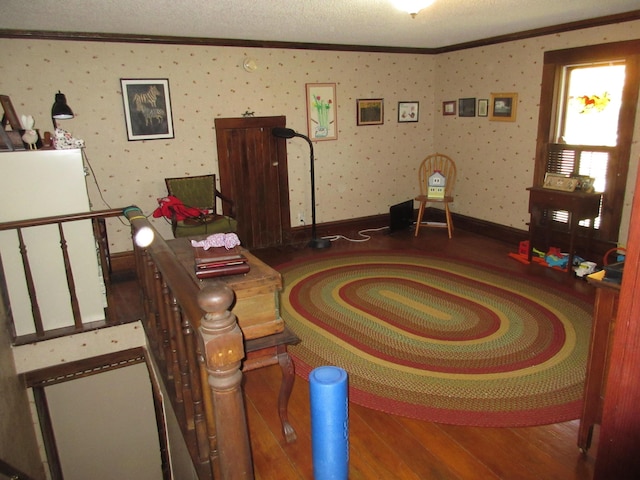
(440, 339)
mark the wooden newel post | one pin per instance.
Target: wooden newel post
(223, 350)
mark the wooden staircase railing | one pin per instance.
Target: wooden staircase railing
(198, 347)
(98, 222)
(195, 341)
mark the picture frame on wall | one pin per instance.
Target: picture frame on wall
(322, 121)
(370, 111)
(467, 107)
(408, 111)
(483, 107)
(449, 107)
(503, 107)
(147, 108)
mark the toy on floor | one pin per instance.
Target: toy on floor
(585, 268)
(557, 259)
(552, 258)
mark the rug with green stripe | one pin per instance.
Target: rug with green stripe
(440, 339)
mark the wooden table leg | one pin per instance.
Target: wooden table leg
(288, 378)
(265, 351)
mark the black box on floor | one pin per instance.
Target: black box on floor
(401, 216)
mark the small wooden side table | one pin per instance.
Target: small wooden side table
(604, 320)
(580, 205)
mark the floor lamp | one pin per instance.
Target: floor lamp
(288, 133)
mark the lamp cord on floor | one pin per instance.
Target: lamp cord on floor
(362, 233)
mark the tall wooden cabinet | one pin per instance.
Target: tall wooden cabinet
(253, 172)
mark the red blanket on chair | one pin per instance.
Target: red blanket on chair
(172, 206)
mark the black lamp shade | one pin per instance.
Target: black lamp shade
(60, 109)
(284, 132)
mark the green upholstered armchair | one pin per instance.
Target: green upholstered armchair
(201, 192)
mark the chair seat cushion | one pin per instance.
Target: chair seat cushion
(195, 226)
(208, 218)
(425, 198)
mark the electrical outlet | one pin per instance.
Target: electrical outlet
(301, 218)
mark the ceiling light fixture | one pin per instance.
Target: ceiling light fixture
(412, 7)
(250, 65)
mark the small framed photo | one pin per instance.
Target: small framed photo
(449, 107)
(483, 107)
(408, 111)
(147, 108)
(321, 111)
(556, 181)
(503, 107)
(467, 107)
(370, 111)
(585, 183)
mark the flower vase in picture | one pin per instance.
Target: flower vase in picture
(323, 109)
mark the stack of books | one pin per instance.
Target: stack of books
(218, 261)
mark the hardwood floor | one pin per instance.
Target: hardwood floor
(385, 446)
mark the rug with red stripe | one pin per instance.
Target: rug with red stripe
(440, 339)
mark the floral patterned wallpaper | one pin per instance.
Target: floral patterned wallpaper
(498, 157)
(363, 172)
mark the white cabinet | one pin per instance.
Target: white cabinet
(35, 184)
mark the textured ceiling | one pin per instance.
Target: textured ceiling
(344, 22)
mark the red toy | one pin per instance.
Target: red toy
(170, 206)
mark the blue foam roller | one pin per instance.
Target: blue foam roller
(328, 388)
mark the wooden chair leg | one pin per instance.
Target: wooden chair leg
(419, 220)
(447, 213)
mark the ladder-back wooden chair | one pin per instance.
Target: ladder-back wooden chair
(437, 177)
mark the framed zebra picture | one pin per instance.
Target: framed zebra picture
(147, 108)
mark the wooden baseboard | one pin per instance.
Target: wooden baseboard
(495, 231)
(346, 227)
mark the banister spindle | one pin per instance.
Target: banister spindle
(35, 308)
(168, 340)
(100, 234)
(71, 284)
(193, 369)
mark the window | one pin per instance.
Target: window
(591, 103)
(587, 110)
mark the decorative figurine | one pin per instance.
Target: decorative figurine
(30, 136)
